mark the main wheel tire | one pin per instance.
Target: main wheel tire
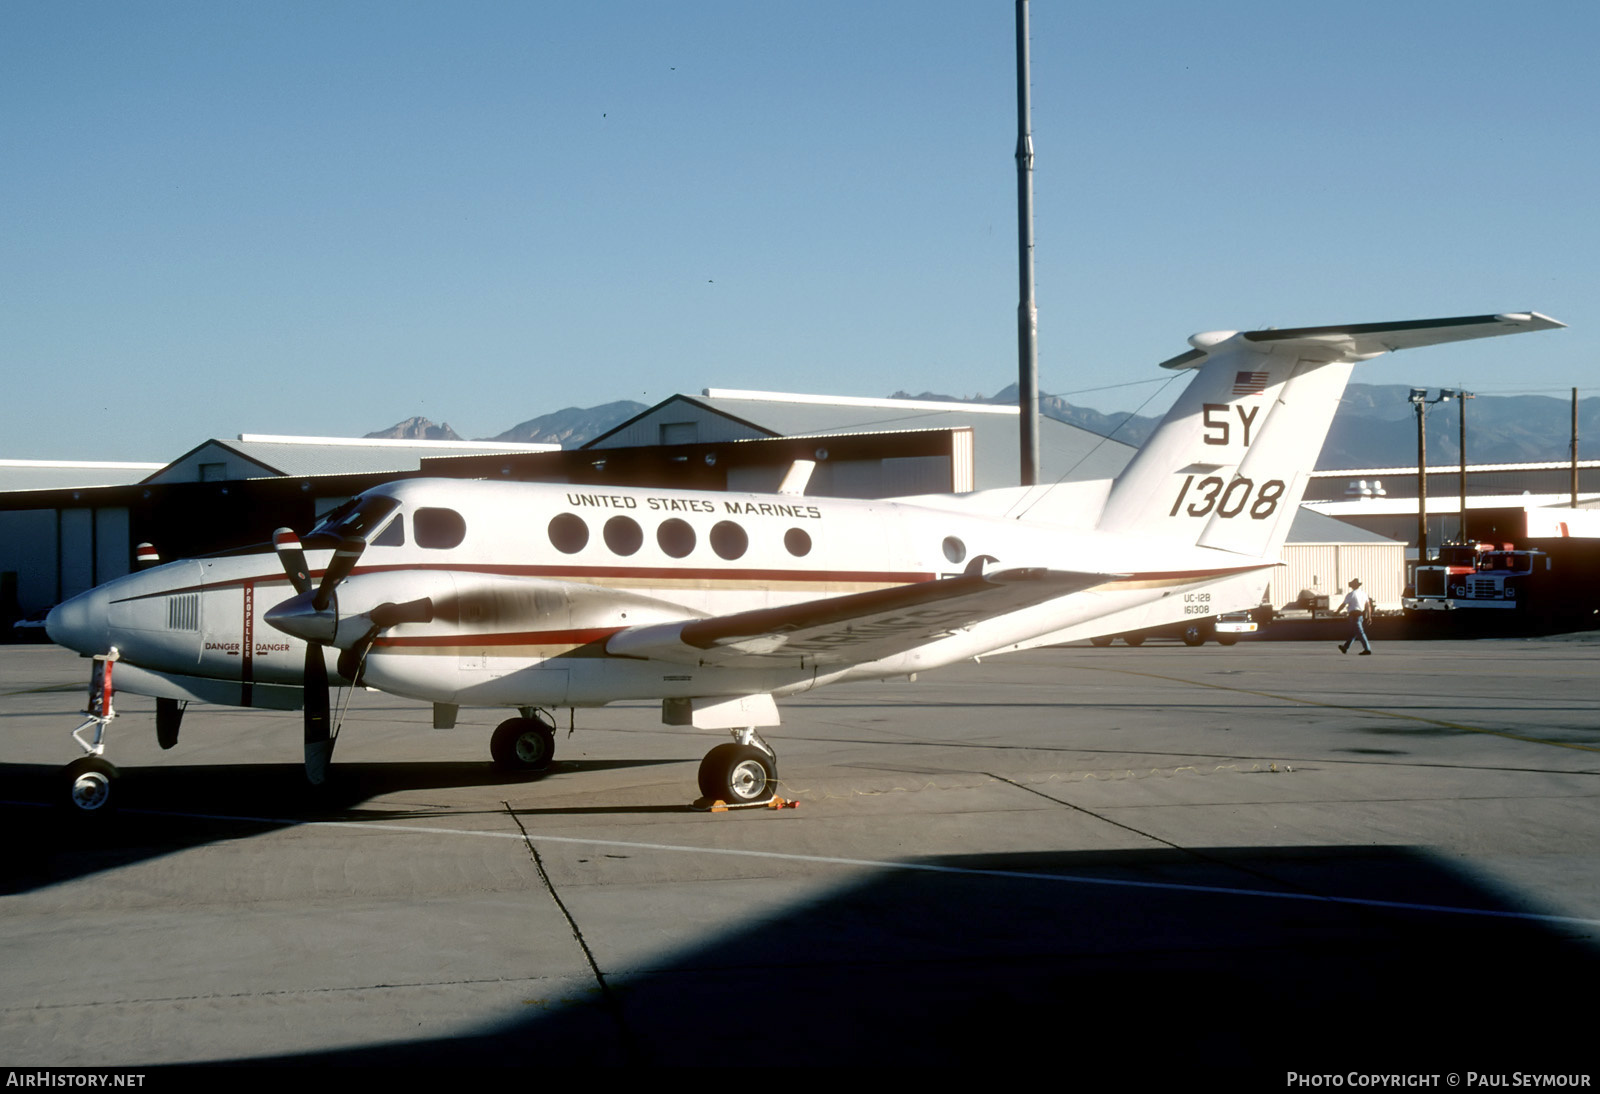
(1101, 640)
(1194, 635)
(738, 775)
(526, 745)
(88, 787)
(1133, 639)
(1227, 639)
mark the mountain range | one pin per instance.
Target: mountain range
(1375, 426)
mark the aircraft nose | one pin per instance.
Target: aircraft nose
(82, 623)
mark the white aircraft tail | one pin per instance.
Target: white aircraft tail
(1228, 465)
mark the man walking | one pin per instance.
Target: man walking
(1354, 605)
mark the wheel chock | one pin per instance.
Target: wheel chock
(717, 805)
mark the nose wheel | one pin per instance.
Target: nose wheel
(88, 787)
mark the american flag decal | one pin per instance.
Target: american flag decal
(1249, 383)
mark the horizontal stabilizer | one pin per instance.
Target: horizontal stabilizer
(849, 629)
(1360, 341)
(1228, 464)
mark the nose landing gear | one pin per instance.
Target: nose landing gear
(88, 786)
(88, 783)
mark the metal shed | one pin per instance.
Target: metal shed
(1323, 554)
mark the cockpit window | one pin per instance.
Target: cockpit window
(359, 516)
(393, 534)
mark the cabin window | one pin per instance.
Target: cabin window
(440, 529)
(675, 537)
(623, 535)
(568, 533)
(954, 549)
(729, 540)
(798, 542)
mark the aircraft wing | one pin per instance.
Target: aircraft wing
(853, 629)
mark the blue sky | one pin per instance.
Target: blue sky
(321, 218)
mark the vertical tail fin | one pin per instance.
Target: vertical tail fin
(1228, 465)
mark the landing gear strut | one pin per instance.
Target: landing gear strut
(742, 773)
(87, 783)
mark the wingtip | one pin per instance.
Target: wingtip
(1533, 319)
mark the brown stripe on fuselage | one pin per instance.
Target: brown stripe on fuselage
(731, 580)
(615, 577)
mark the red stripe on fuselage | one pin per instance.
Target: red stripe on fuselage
(645, 574)
(581, 573)
(578, 637)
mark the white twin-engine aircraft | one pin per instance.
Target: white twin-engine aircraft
(538, 596)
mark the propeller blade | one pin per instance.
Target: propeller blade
(293, 558)
(319, 744)
(344, 560)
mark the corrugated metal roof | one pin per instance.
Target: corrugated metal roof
(1449, 468)
(308, 456)
(1066, 452)
(300, 458)
(1311, 526)
(69, 474)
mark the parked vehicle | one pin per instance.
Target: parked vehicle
(1504, 581)
(1225, 630)
(1432, 581)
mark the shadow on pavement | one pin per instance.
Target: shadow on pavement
(1135, 968)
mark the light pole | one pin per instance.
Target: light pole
(1462, 396)
(1420, 400)
(1027, 310)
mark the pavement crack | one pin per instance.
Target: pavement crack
(1198, 856)
(1091, 813)
(607, 996)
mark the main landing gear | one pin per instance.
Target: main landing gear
(742, 773)
(525, 745)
